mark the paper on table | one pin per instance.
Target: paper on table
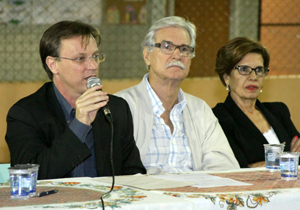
(202, 180)
(152, 182)
(145, 182)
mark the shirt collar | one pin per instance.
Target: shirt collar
(66, 107)
(156, 103)
(181, 101)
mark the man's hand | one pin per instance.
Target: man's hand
(88, 104)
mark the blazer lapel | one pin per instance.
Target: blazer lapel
(102, 136)
(56, 112)
(245, 124)
(276, 124)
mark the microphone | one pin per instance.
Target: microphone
(93, 81)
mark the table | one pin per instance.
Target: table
(267, 192)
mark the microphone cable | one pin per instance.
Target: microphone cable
(110, 120)
(92, 81)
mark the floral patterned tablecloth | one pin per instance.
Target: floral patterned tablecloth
(84, 193)
(266, 192)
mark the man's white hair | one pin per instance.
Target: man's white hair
(172, 21)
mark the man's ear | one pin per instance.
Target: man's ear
(146, 55)
(51, 63)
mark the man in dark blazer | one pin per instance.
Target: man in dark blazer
(61, 127)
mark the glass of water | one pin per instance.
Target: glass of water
(289, 165)
(34, 175)
(272, 152)
(20, 181)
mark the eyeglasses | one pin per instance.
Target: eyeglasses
(98, 58)
(247, 70)
(168, 48)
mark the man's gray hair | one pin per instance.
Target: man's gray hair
(172, 21)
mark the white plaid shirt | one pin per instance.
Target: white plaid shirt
(170, 152)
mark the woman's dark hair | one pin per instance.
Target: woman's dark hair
(234, 51)
(51, 39)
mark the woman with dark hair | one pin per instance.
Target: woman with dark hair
(242, 64)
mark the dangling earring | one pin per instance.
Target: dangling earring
(260, 91)
(227, 87)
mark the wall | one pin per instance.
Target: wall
(211, 19)
(279, 32)
(276, 88)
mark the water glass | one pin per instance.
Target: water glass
(20, 181)
(272, 152)
(34, 175)
(289, 165)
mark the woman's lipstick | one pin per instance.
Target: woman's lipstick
(252, 87)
